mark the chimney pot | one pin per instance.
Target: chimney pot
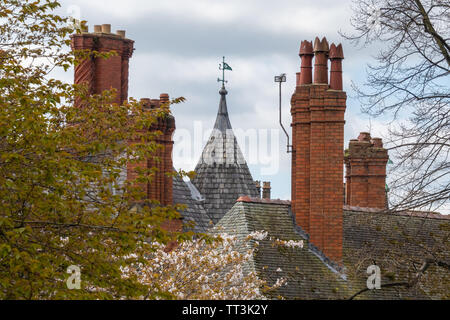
(336, 55)
(121, 33)
(97, 28)
(306, 47)
(106, 28)
(321, 61)
(336, 52)
(306, 55)
(321, 46)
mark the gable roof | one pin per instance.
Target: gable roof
(307, 276)
(398, 244)
(222, 174)
(370, 237)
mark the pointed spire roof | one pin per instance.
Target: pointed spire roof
(222, 172)
(222, 121)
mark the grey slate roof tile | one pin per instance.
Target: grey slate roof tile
(222, 172)
(372, 235)
(307, 276)
(395, 242)
(195, 212)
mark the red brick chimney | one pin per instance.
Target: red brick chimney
(99, 73)
(105, 74)
(161, 186)
(266, 190)
(365, 164)
(318, 142)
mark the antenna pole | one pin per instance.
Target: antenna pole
(280, 79)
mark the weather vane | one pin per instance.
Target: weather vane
(223, 66)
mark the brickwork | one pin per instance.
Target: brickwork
(161, 186)
(99, 73)
(365, 163)
(318, 142)
(266, 190)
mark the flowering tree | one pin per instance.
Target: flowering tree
(216, 268)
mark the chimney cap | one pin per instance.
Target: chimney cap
(306, 48)
(163, 98)
(321, 46)
(377, 142)
(106, 28)
(97, 28)
(364, 136)
(336, 52)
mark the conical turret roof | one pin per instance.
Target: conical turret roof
(222, 172)
(222, 120)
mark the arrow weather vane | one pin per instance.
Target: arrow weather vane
(223, 66)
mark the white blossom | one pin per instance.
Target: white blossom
(197, 269)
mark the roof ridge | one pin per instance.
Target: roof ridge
(249, 199)
(407, 213)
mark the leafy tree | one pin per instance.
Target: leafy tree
(63, 199)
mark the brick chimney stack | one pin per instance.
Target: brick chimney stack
(318, 143)
(258, 188)
(266, 190)
(365, 164)
(104, 74)
(161, 186)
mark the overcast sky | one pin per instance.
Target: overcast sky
(180, 43)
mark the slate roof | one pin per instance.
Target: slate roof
(222, 174)
(392, 241)
(195, 217)
(307, 276)
(397, 242)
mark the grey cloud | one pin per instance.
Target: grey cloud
(252, 101)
